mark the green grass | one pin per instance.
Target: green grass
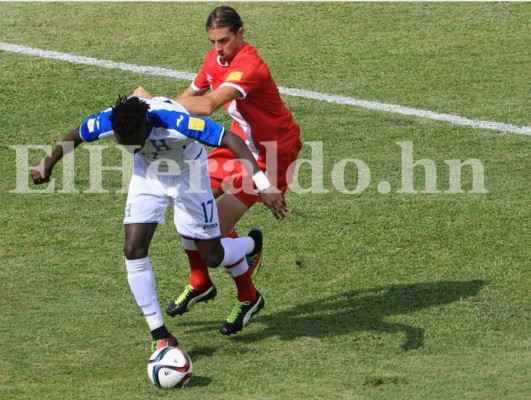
(369, 296)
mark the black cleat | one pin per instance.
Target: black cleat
(256, 235)
(161, 343)
(241, 315)
(190, 297)
(254, 258)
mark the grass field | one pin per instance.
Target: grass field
(368, 296)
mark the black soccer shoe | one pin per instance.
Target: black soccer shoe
(256, 235)
(241, 315)
(190, 297)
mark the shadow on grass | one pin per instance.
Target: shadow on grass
(198, 381)
(199, 352)
(361, 310)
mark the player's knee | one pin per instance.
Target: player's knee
(212, 258)
(217, 191)
(133, 251)
(211, 252)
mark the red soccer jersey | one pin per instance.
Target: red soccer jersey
(259, 115)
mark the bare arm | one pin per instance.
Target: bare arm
(142, 93)
(41, 171)
(196, 102)
(208, 104)
(271, 196)
(190, 92)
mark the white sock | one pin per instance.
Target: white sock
(142, 283)
(236, 249)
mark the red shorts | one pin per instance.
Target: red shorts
(229, 175)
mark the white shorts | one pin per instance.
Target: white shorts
(195, 214)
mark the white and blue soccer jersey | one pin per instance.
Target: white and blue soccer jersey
(173, 135)
(173, 132)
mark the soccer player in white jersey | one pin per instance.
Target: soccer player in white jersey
(170, 164)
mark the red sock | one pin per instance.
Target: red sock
(244, 283)
(245, 286)
(199, 277)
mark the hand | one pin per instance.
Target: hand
(40, 172)
(142, 93)
(274, 200)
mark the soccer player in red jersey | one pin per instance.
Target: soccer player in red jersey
(234, 76)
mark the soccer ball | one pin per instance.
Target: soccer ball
(169, 367)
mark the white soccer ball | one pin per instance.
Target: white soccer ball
(169, 367)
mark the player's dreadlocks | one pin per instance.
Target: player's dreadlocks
(127, 115)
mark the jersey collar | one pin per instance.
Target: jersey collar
(226, 64)
(218, 59)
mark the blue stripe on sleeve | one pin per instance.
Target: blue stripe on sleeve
(202, 129)
(96, 125)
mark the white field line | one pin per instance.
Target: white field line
(343, 100)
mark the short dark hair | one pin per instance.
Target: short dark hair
(224, 16)
(128, 113)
